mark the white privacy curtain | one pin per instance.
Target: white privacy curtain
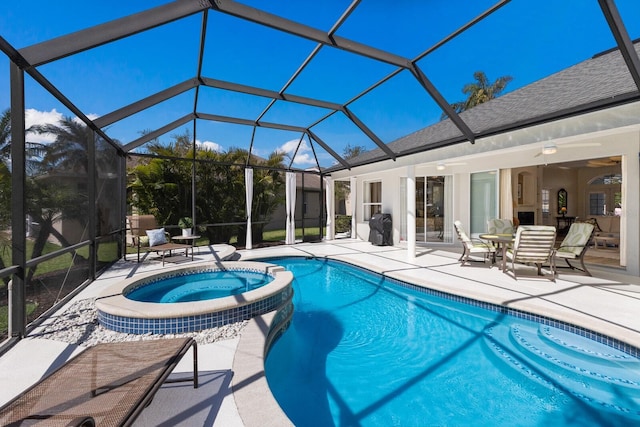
(506, 194)
(248, 184)
(352, 196)
(291, 208)
(329, 191)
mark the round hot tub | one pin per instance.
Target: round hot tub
(193, 298)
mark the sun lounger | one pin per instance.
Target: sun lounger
(105, 385)
(138, 227)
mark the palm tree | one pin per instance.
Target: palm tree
(69, 151)
(479, 92)
(33, 150)
(351, 152)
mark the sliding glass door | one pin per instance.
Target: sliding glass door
(433, 209)
(484, 200)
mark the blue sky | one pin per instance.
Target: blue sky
(527, 40)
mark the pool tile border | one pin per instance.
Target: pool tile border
(120, 314)
(521, 314)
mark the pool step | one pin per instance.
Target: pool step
(571, 343)
(578, 359)
(567, 362)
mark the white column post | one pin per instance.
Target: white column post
(411, 213)
(330, 197)
(353, 187)
(248, 183)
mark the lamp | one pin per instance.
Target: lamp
(549, 148)
(440, 166)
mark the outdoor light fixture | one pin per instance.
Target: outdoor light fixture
(440, 166)
(549, 148)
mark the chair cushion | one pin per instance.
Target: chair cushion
(156, 237)
(575, 241)
(499, 226)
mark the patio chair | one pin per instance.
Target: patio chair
(105, 385)
(144, 234)
(473, 246)
(575, 245)
(534, 244)
(499, 226)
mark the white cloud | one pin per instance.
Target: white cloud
(53, 117)
(35, 117)
(304, 157)
(209, 145)
(289, 147)
(89, 116)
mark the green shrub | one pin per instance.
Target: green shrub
(185, 222)
(343, 223)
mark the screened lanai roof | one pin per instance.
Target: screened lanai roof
(313, 78)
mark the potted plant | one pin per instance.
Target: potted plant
(186, 223)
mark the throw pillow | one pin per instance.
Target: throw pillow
(156, 237)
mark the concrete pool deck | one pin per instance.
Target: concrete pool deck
(606, 303)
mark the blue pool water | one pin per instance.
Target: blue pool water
(200, 286)
(362, 350)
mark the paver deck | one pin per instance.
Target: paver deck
(607, 303)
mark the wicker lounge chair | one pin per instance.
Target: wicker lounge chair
(106, 385)
(137, 228)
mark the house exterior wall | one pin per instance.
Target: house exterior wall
(604, 133)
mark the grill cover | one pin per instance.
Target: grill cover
(380, 226)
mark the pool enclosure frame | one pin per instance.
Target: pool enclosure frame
(29, 59)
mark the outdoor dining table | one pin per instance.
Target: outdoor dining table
(503, 240)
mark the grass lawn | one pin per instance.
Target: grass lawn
(277, 235)
(106, 252)
(4, 315)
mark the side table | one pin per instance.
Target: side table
(187, 239)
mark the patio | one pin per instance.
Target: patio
(605, 303)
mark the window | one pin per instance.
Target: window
(605, 195)
(305, 201)
(597, 204)
(372, 198)
(545, 201)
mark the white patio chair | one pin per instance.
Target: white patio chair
(473, 246)
(534, 244)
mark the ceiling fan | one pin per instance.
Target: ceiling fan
(550, 147)
(443, 165)
(609, 161)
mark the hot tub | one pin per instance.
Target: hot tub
(122, 314)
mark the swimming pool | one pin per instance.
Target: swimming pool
(366, 350)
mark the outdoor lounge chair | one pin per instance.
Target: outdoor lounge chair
(534, 244)
(473, 246)
(139, 228)
(575, 245)
(105, 385)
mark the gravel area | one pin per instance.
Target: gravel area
(79, 325)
